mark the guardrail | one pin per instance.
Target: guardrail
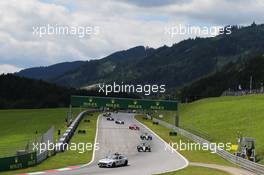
(243, 163)
(199, 133)
(61, 145)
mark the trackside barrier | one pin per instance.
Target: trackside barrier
(18, 162)
(61, 145)
(243, 163)
(46, 138)
(42, 156)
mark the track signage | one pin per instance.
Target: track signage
(18, 162)
(122, 103)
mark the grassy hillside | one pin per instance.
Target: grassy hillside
(222, 118)
(20, 126)
(70, 157)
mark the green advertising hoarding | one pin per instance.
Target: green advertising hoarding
(122, 103)
(18, 162)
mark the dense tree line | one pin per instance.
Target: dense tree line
(18, 92)
(232, 76)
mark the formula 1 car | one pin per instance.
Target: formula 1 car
(133, 127)
(107, 114)
(144, 147)
(114, 160)
(119, 122)
(146, 136)
(110, 119)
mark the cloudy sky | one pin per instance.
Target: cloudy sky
(121, 24)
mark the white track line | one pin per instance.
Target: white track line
(95, 140)
(64, 169)
(36, 173)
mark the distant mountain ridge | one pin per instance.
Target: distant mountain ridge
(49, 72)
(63, 72)
(173, 66)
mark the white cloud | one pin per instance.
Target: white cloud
(123, 24)
(6, 68)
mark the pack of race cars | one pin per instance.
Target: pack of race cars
(110, 118)
(117, 159)
(145, 145)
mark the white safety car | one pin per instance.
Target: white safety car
(114, 160)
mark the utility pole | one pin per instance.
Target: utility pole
(250, 86)
(177, 118)
(193, 120)
(70, 109)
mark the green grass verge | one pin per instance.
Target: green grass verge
(192, 156)
(191, 170)
(223, 117)
(20, 126)
(67, 158)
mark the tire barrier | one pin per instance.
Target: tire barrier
(81, 131)
(173, 133)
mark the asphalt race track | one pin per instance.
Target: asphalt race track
(114, 138)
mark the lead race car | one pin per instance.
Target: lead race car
(114, 160)
(144, 147)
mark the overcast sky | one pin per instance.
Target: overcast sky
(122, 24)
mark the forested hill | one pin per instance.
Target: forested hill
(17, 92)
(173, 66)
(234, 76)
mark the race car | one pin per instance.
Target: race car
(133, 127)
(114, 160)
(144, 147)
(119, 122)
(146, 136)
(110, 119)
(107, 114)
